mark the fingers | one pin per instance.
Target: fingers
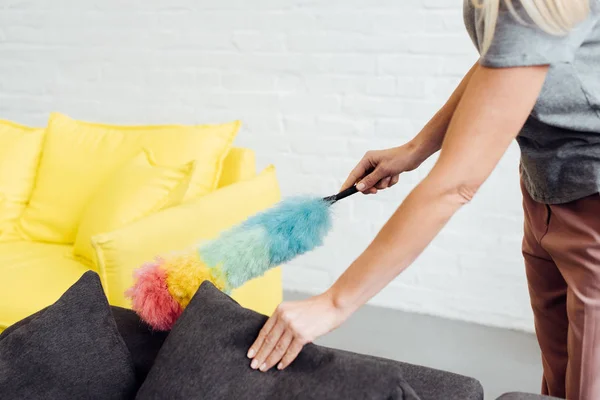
(278, 343)
(372, 179)
(268, 345)
(284, 353)
(358, 172)
(292, 352)
(279, 351)
(387, 182)
(384, 183)
(257, 345)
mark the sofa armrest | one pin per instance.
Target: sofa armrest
(434, 384)
(120, 252)
(525, 396)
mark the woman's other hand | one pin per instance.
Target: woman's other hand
(381, 169)
(293, 325)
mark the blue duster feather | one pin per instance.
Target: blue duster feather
(270, 238)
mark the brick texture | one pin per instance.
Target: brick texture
(317, 83)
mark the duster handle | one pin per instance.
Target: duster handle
(342, 195)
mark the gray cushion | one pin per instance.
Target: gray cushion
(71, 350)
(204, 357)
(143, 343)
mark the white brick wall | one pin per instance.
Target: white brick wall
(317, 83)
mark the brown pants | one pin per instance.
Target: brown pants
(561, 247)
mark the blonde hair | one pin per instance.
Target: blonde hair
(556, 17)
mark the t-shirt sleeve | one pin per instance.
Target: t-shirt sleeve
(521, 43)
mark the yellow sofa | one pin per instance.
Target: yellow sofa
(34, 272)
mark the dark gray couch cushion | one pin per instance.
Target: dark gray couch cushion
(143, 342)
(71, 350)
(204, 357)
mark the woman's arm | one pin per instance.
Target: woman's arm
(493, 109)
(490, 114)
(381, 169)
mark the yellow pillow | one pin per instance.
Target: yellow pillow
(122, 251)
(239, 165)
(137, 189)
(79, 156)
(20, 149)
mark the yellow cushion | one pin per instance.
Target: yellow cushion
(140, 187)
(239, 165)
(33, 276)
(20, 149)
(79, 156)
(120, 252)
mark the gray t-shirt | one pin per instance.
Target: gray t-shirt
(560, 142)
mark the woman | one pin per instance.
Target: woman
(538, 80)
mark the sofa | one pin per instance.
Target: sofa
(78, 196)
(81, 347)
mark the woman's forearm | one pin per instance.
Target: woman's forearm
(493, 109)
(406, 234)
(430, 138)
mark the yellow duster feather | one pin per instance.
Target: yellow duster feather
(185, 272)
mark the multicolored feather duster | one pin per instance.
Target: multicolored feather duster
(163, 288)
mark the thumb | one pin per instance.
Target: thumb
(370, 180)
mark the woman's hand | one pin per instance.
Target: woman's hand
(385, 166)
(293, 325)
(381, 169)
